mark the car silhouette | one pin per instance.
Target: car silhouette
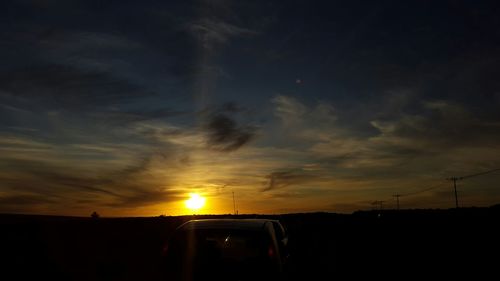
(227, 249)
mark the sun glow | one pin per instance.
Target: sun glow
(195, 202)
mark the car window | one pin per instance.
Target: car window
(235, 245)
(222, 252)
(279, 230)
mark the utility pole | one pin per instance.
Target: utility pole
(454, 179)
(397, 199)
(379, 203)
(234, 205)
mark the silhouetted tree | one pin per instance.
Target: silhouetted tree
(94, 215)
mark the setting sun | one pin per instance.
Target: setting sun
(195, 202)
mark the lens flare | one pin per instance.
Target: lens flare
(195, 202)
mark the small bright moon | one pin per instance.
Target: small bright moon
(195, 202)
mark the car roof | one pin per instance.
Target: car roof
(243, 224)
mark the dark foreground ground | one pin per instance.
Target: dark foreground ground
(397, 245)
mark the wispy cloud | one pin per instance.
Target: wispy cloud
(13, 200)
(147, 197)
(67, 87)
(277, 180)
(402, 142)
(213, 33)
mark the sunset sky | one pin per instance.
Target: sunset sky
(127, 107)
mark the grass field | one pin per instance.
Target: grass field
(323, 246)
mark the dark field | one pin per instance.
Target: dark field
(393, 245)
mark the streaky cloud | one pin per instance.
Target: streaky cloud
(69, 87)
(282, 179)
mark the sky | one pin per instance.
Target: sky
(127, 107)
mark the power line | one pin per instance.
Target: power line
(479, 174)
(454, 179)
(379, 203)
(398, 195)
(438, 185)
(424, 190)
(397, 199)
